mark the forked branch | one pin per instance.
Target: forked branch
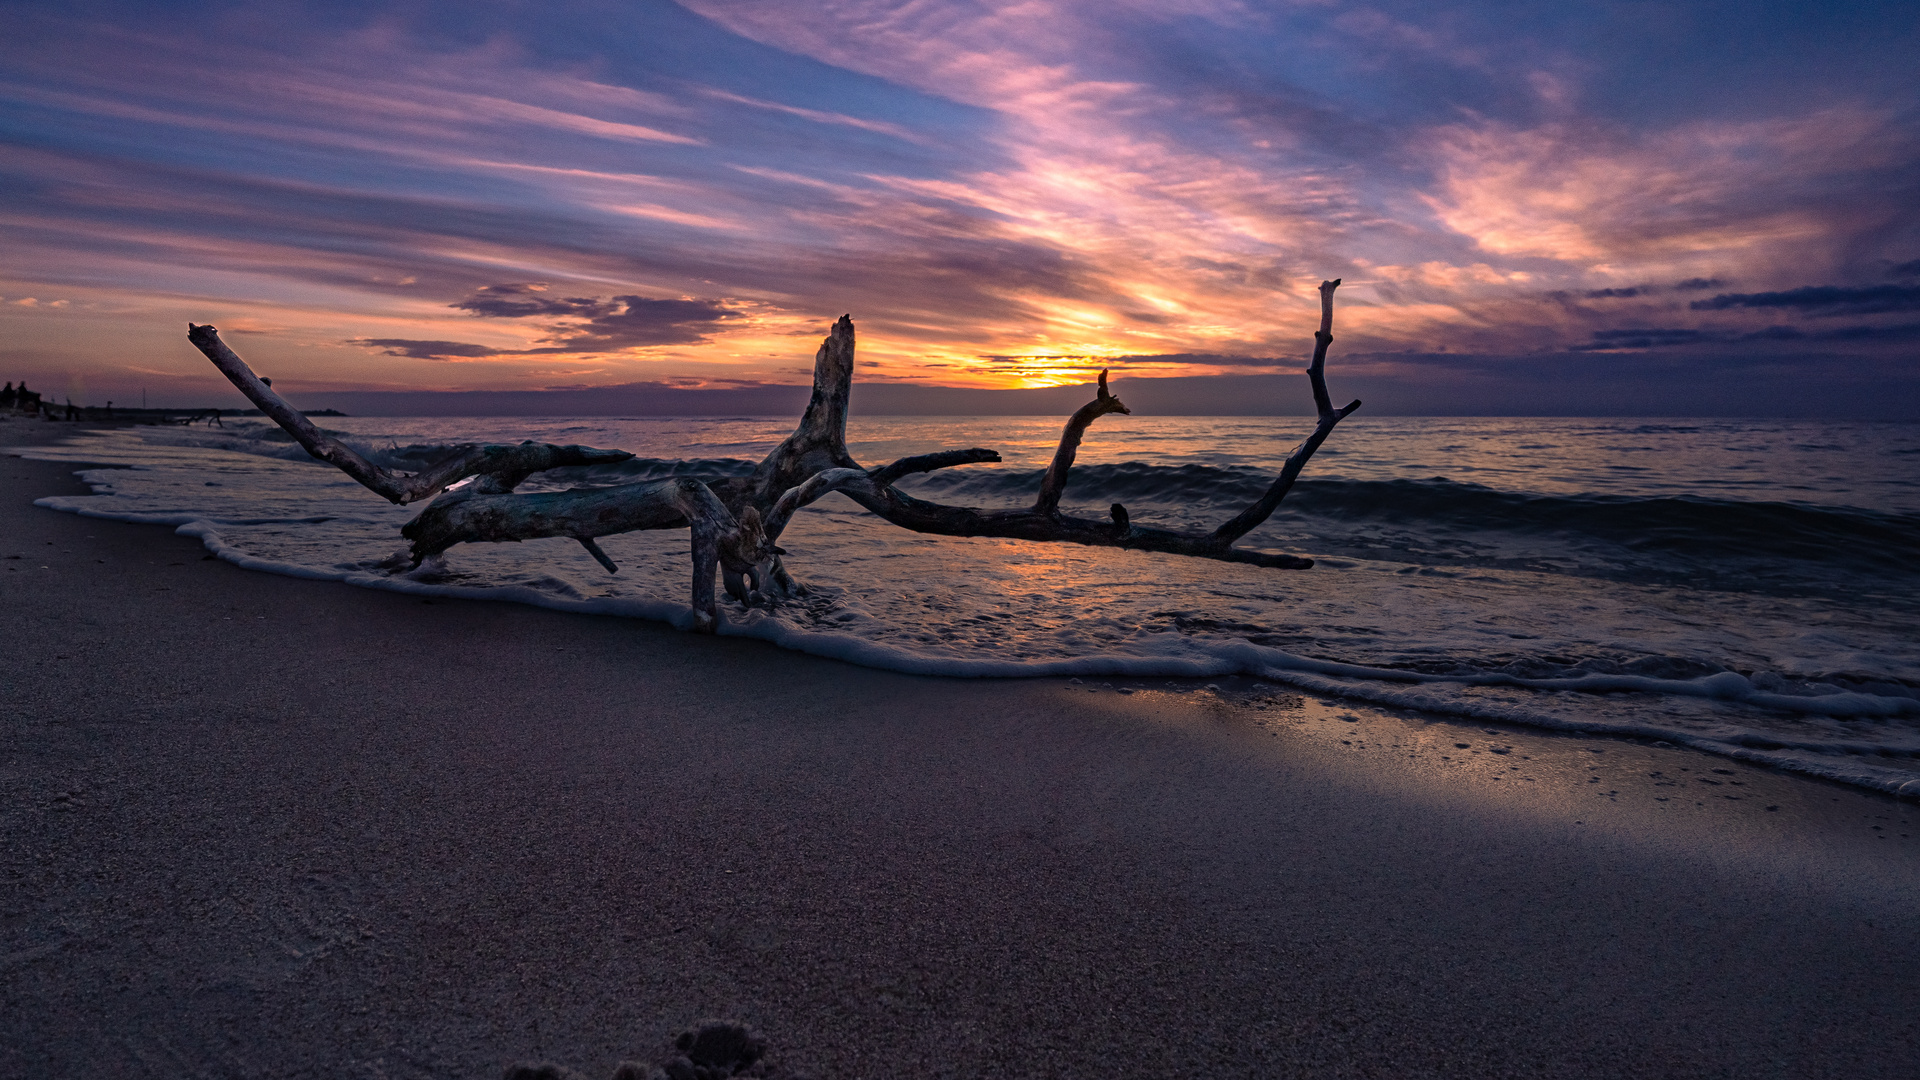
(1043, 521)
(1251, 518)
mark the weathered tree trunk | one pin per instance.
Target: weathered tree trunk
(737, 522)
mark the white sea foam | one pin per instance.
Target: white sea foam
(1556, 615)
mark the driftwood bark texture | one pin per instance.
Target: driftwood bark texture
(736, 522)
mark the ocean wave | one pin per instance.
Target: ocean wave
(1696, 526)
(1702, 533)
(1716, 542)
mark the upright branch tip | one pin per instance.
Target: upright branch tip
(1250, 518)
(1054, 481)
(1326, 308)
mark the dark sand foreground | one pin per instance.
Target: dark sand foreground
(256, 826)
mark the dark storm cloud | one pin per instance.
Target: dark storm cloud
(1823, 300)
(426, 350)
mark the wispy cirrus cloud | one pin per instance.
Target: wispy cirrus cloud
(1003, 193)
(1749, 198)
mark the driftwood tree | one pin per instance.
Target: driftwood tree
(736, 522)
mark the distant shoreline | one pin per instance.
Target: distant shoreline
(119, 416)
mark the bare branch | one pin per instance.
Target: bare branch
(815, 486)
(1252, 517)
(599, 556)
(317, 442)
(927, 517)
(503, 467)
(921, 516)
(821, 483)
(919, 463)
(1055, 481)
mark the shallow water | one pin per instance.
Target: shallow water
(1745, 586)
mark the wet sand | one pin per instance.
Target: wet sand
(259, 826)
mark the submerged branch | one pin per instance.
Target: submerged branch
(584, 514)
(938, 519)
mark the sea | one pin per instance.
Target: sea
(1747, 587)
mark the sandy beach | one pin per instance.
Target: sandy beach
(259, 826)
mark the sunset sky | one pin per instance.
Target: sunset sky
(1618, 208)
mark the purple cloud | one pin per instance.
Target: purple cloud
(522, 301)
(1823, 300)
(623, 322)
(426, 350)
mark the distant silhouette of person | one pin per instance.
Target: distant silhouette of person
(7, 397)
(72, 413)
(109, 408)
